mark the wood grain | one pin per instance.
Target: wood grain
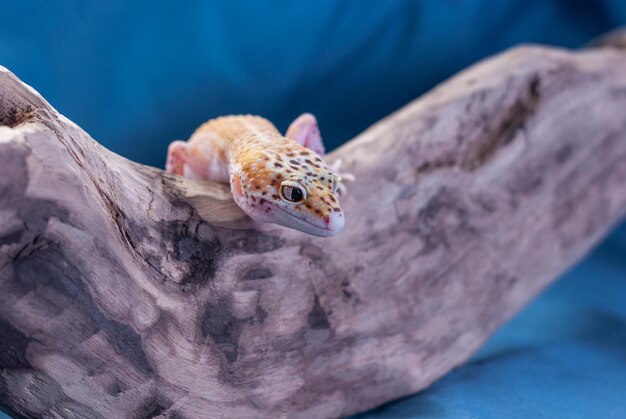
(117, 299)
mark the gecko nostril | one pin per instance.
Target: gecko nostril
(327, 219)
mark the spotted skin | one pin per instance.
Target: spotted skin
(250, 153)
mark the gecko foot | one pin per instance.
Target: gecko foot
(345, 177)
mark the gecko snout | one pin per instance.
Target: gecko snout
(334, 222)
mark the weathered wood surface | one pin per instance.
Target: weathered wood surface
(118, 300)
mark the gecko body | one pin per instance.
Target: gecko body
(273, 178)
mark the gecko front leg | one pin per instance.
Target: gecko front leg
(305, 131)
(176, 157)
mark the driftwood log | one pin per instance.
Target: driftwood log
(117, 299)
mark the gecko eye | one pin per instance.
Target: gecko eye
(292, 192)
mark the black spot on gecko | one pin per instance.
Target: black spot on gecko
(294, 162)
(276, 164)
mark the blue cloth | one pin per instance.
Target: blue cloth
(137, 75)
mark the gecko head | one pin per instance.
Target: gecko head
(310, 206)
(292, 189)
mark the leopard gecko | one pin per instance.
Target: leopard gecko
(273, 178)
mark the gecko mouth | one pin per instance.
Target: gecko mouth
(310, 228)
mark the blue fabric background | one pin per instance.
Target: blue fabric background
(137, 75)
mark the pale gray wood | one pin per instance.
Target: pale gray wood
(613, 39)
(118, 300)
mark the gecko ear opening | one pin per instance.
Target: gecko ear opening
(336, 179)
(292, 192)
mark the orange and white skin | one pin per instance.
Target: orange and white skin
(273, 178)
